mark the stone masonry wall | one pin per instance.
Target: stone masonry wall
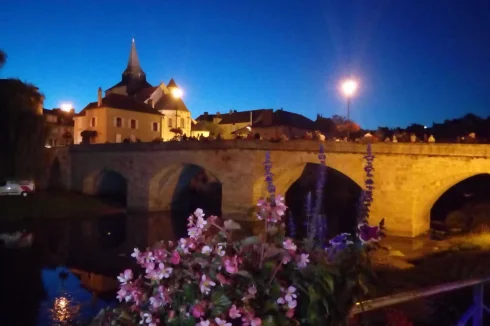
(409, 178)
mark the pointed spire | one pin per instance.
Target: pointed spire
(133, 70)
(172, 83)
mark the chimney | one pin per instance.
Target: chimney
(231, 111)
(251, 120)
(99, 97)
(205, 114)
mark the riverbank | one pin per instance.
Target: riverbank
(53, 205)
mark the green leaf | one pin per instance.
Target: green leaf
(273, 251)
(231, 225)
(221, 303)
(268, 321)
(250, 241)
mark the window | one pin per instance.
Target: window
(154, 126)
(170, 122)
(182, 123)
(93, 122)
(118, 122)
(51, 118)
(134, 124)
(118, 138)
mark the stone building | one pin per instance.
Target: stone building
(59, 125)
(134, 110)
(268, 123)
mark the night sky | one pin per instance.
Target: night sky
(416, 60)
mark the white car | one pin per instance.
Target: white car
(17, 188)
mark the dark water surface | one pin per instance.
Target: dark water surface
(69, 274)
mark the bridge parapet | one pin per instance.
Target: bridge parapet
(422, 149)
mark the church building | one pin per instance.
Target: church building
(134, 110)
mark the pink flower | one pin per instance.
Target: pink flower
(290, 294)
(199, 213)
(203, 323)
(150, 267)
(206, 250)
(147, 319)
(126, 276)
(156, 302)
(256, 322)
(194, 232)
(231, 265)
(303, 260)
(286, 259)
(175, 258)
(234, 313)
(220, 250)
(280, 208)
(206, 284)
(221, 322)
(289, 245)
(124, 293)
(290, 313)
(198, 310)
(137, 255)
(201, 222)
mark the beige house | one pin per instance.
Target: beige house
(269, 124)
(134, 110)
(117, 118)
(59, 125)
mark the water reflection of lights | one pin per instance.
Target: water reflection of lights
(64, 311)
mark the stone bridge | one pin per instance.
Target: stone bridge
(409, 178)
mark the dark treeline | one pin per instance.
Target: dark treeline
(467, 129)
(22, 128)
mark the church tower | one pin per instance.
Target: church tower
(133, 77)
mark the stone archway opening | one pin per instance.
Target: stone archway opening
(111, 186)
(339, 201)
(192, 187)
(464, 207)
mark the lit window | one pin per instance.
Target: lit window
(170, 122)
(119, 122)
(133, 124)
(155, 126)
(93, 122)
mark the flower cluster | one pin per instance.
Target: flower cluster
(210, 279)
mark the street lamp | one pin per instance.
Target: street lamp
(177, 94)
(349, 87)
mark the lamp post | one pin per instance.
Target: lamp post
(177, 94)
(349, 87)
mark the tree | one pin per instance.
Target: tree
(343, 125)
(22, 129)
(3, 58)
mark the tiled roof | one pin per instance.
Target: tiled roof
(145, 93)
(285, 118)
(207, 117)
(244, 116)
(168, 102)
(121, 102)
(132, 86)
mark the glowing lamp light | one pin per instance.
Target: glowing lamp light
(349, 87)
(67, 107)
(177, 92)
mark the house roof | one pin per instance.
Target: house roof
(168, 102)
(172, 83)
(243, 116)
(199, 126)
(145, 93)
(64, 118)
(206, 117)
(285, 118)
(121, 102)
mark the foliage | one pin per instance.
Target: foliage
(22, 129)
(213, 128)
(3, 58)
(210, 278)
(177, 131)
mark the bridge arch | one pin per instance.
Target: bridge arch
(339, 201)
(181, 188)
(108, 183)
(288, 167)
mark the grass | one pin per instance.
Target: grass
(52, 205)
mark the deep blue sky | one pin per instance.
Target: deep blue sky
(416, 60)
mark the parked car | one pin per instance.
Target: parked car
(17, 188)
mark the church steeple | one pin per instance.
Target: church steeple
(133, 71)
